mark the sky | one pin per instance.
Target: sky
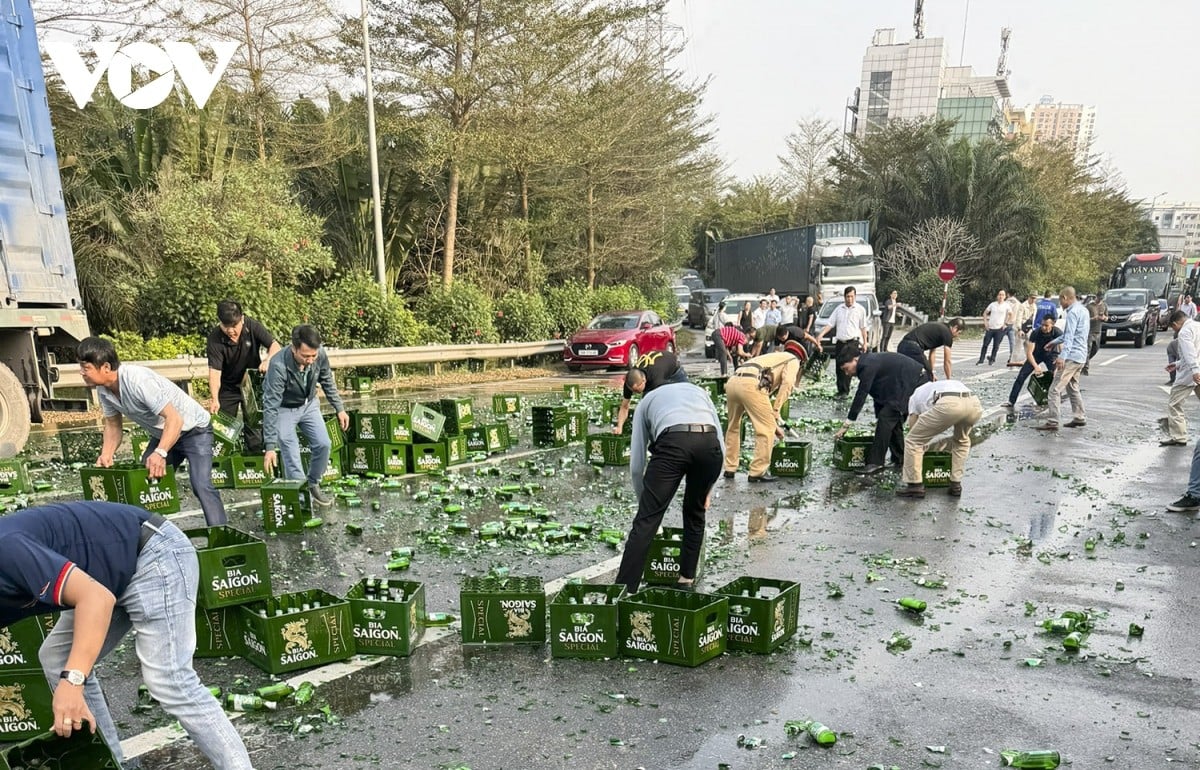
(770, 63)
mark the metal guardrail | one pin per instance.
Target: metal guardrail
(190, 367)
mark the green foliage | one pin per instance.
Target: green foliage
(570, 307)
(463, 314)
(352, 312)
(661, 300)
(522, 317)
(924, 292)
(618, 297)
(131, 346)
(185, 303)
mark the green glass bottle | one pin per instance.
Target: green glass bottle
(1072, 641)
(1080, 617)
(304, 693)
(396, 565)
(1059, 625)
(912, 604)
(1031, 760)
(438, 619)
(235, 701)
(821, 734)
(275, 692)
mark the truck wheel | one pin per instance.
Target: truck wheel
(14, 414)
(1140, 340)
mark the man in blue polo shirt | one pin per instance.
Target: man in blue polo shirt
(111, 568)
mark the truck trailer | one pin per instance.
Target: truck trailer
(814, 260)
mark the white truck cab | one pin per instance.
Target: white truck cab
(840, 262)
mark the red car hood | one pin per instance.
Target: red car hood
(603, 335)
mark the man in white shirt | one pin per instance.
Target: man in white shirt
(787, 311)
(1188, 307)
(933, 408)
(772, 296)
(1014, 313)
(849, 326)
(774, 315)
(996, 320)
(759, 317)
(1187, 376)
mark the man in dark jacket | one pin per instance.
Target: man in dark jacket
(890, 379)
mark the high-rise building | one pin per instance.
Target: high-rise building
(1072, 124)
(913, 80)
(1178, 227)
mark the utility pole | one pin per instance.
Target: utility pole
(376, 206)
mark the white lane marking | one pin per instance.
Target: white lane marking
(1108, 361)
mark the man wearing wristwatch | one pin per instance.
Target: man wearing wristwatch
(111, 568)
(179, 428)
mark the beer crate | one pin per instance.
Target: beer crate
(850, 451)
(714, 385)
(577, 425)
(663, 558)
(489, 437)
(456, 449)
(558, 436)
(285, 505)
(505, 404)
(607, 449)
(459, 414)
(297, 637)
(14, 477)
(508, 610)
(248, 471)
(337, 437)
(1038, 386)
(130, 483)
(426, 422)
(25, 704)
(399, 428)
(252, 398)
(221, 449)
(222, 472)
(139, 441)
(401, 406)
(935, 469)
(387, 626)
(218, 633)
(791, 457)
(570, 392)
(608, 409)
(364, 458)
(234, 568)
(368, 427)
(333, 471)
(20, 642)
(84, 749)
(81, 446)
(427, 458)
(356, 384)
(226, 430)
(673, 626)
(762, 612)
(583, 621)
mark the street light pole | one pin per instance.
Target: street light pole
(376, 206)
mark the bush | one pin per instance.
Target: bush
(463, 314)
(569, 306)
(924, 292)
(661, 300)
(617, 297)
(176, 302)
(352, 312)
(522, 317)
(131, 346)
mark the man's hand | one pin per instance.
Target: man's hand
(1058, 364)
(842, 430)
(70, 710)
(344, 420)
(214, 405)
(1196, 378)
(617, 430)
(1171, 367)
(156, 464)
(778, 432)
(263, 366)
(104, 461)
(270, 458)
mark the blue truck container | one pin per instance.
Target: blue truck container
(780, 259)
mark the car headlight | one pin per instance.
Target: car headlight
(1137, 316)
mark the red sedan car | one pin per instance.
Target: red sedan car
(617, 339)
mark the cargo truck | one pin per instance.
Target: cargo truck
(40, 308)
(817, 260)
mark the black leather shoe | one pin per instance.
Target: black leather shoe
(762, 479)
(955, 489)
(911, 490)
(869, 470)
(729, 474)
(1172, 442)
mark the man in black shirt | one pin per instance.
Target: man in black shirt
(660, 367)
(920, 343)
(890, 379)
(233, 348)
(1041, 351)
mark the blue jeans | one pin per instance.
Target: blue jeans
(195, 446)
(992, 336)
(308, 419)
(1193, 489)
(160, 605)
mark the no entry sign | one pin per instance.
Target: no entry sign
(947, 270)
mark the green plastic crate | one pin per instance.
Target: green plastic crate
(84, 750)
(248, 471)
(607, 449)
(935, 470)
(234, 568)
(714, 385)
(387, 626)
(571, 392)
(227, 430)
(25, 704)
(505, 404)
(426, 422)
(459, 414)
(20, 642)
(584, 621)
(81, 446)
(427, 458)
(395, 405)
(510, 610)
(763, 613)
(490, 437)
(850, 451)
(333, 471)
(791, 457)
(14, 477)
(1038, 386)
(139, 440)
(673, 626)
(359, 384)
(296, 639)
(399, 428)
(558, 436)
(252, 398)
(218, 632)
(222, 472)
(456, 449)
(130, 483)
(363, 458)
(663, 559)
(577, 425)
(285, 505)
(368, 427)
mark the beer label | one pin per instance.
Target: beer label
(15, 715)
(10, 653)
(937, 474)
(359, 463)
(297, 647)
(517, 614)
(236, 583)
(366, 429)
(251, 476)
(96, 489)
(156, 497)
(641, 632)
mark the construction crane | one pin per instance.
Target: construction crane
(1002, 65)
(919, 19)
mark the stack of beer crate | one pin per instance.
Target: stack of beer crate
(24, 693)
(380, 441)
(550, 426)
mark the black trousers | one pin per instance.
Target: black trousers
(889, 434)
(843, 380)
(720, 352)
(887, 337)
(231, 402)
(914, 351)
(675, 457)
(993, 336)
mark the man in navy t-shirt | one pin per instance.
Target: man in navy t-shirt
(110, 568)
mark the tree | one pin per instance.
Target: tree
(928, 245)
(806, 169)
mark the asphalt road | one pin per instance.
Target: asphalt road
(1010, 553)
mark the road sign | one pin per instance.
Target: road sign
(947, 270)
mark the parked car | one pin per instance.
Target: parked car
(683, 296)
(1132, 316)
(868, 301)
(703, 304)
(617, 339)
